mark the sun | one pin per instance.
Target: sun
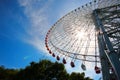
(80, 34)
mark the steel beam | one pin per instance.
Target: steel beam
(112, 55)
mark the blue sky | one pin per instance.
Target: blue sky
(23, 26)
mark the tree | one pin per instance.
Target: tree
(7, 74)
(43, 70)
(76, 76)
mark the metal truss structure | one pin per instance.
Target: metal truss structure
(107, 21)
(89, 33)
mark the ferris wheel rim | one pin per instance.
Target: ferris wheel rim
(54, 27)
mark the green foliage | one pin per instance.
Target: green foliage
(7, 74)
(44, 70)
(77, 76)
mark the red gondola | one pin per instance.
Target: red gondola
(58, 58)
(50, 51)
(48, 31)
(72, 64)
(47, 47)
(45, 43)
(46, 35)
(64, 61)
(97, 70)
(53, 55)
(46, 40)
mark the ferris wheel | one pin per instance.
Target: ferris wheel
(90, 33)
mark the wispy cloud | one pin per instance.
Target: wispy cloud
(35, 10)
(38, 43)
